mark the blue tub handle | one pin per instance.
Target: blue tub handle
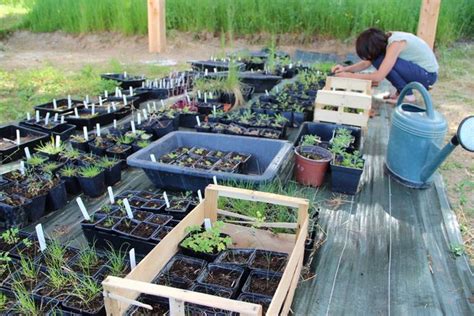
(426, 97)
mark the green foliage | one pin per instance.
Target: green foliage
(310, 140)
(36, 160)
(11, 236)
(51, 148)
(349, 160)
(68, 171)
(89, 172)
(457, 250)
(107, 162)
(3, 301)
(87, 289)
(207, 241)
(116, 263)
(25, 302)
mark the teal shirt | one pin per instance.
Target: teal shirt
(416, 51)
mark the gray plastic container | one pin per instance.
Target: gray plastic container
(270, 159)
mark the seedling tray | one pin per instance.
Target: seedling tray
(63, 130)
(270, 159)
(125, 82)
(120, 292)
(210, 65)
(48, 107)
(16, 152)
(260, 82)
(103, 118)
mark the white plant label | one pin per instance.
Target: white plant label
(83, 209)
(46, 119)
(55, 104)
(37, 116)
(132, 123)
(111, 195)
(188, 98)
(106, 93)
(58, 141)
(18, 137)
(139, 119)
(97, 128)
(27, 153)
(148, 107)
(117, 91)
(40, 235)
(86, 133)
(205, 72)
(124, 99)
(28, 116)
(200, 196)
(167, 201)
(101, 103)
(214, 110)
(128, 208)
(207, 224)
(205, 97)
(199, 94)
(114, 106)
(93, 108)
(62, 119)
(125, 74)
(22, 168)
(153, 158)
(277, 89)
(214, 179)
(85, 104)
(131, 91)
(162, 103)
(87, 99)
(266, 92)
(115, 124)
(56, 117)
(76, 113)
(154, 106)
(215, 70)
(69, 101)
(145, 114)
(133, 259)
(108, 109)
(198, 120)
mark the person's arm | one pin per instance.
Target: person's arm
(391, 55)
(361, 65)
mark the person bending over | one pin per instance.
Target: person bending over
(398, 56)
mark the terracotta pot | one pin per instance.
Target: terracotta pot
(311, 172)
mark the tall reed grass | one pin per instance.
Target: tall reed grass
(332, 18)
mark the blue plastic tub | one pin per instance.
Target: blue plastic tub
(270, 159)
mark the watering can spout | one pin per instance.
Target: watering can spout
(440, 157)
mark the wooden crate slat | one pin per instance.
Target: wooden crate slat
(348, 84)
(344, 99)
(341, 117)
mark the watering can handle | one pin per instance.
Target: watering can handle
(426, 97)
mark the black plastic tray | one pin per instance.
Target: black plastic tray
(17, 152)
(326, 130)
(48, 107)
(125, 83)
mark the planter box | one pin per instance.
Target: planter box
(270, 159)
(16, 152)
(345, 180)
(326, 130)
(344, 101)
(49, 107)
(139, 280)
(63, 130)
(103, 118)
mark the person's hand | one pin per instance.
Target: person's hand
(344, 74)
(337, 68)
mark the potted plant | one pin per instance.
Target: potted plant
(29, 275)
(35, 161)
(79, 142)
(86, 298)
(92, 180)
(112, 168)
(57, 195)
(311, 164)
(70, 156)
(184, 267)
(88, 262)
(51, 149)
(346, 170)
(98, 145)
(205, 244)
(69, 175)
(262, 282)
(221, 275)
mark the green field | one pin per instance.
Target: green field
(328, 18)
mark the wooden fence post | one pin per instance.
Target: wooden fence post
(157, 26)
(428, 21)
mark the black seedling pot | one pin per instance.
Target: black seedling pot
(269, 260)
(194, 309)
(113, 174)
(72, 185)
(173, 281)
(84, 146)
(118, 228)
(100, 224)
(93, 187)
(98, 310)
(192, 266)
(345, 180)
(234, 273)
(161, 233)
(161, 128)
(188, 120)
(154, 206)
(238, 256)
(265, 301)
(124, 152)
(203, 128)
(271, 279)
(57, 197)
(99, 150)
(299, 118)
(37, 208)
(209, 257)
(15, 216)
(145, 231)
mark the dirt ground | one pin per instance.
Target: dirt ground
(453, 95)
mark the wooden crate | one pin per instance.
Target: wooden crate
(119, 293)
(339, 96)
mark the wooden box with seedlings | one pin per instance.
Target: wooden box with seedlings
(344, 101)
(231, 265)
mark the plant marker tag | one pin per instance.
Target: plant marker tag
(56, 116)
(124, 99)
(97, 128)
(153, 158)
(76, 113)
(85, 104)
(133, 260)
(28, 116)
(58, 141)
(148, 107)
(46, 119)
(22, 168)
(139, 119)
(125, 74)
(86, 134)
(69, 101)
(83, 209)
(131, 91)
(199, 94)
(106, 93)
(205, 97)
(109, 109)
(128, 208)
(277, 89)
(205, 72)
(27, 153)
(167, 201)
(132, 123)
(111, 195)
(18, 137)
(114, 106)
(37, 116)
(266, 92)
(40, 235)
(115, 124)
(154, 106)
(290, 66)
(145, 114)
(215, 70)
(214, 110)
(62, 119)
(87, 98)
(200, 196)
(210, 95)
(188, 98)
(100, 101)
(214, 178)
(251, 70)
(55, 104)
(207, 224)
(93, 109)
(143, 84)
(117, 91)
(162, 103)
(198, 120)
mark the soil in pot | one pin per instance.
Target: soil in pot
(107, 223)
(29, 250)
(141, 215)
(167, 280)
(50, 256)
(198, 152)
(160, 234)
(269, 261)
(159, 219)
(227, 166)
(91, 307)
(185, 267)
(206, 163)
(153, 206)
(265, 301)
(145, 195)
(10, 300)
(311, 164)
(30, 282)
(217, 154)
(144, 230)
(261, 282)
(126, 225)
(222, 275)
(159, 308)
(136, 202)
(187, 161)
(88, 262)
(169, 158)
(240, 257)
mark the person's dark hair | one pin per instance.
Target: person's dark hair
(371, 43)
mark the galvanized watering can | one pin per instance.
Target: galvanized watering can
(414, 148)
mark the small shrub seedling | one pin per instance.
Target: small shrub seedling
(89, 172)
(207, 241)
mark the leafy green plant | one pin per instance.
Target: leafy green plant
(55, 254)
(89, 171)
(107, 162)
(3, 302)
(125, 140)
(310, 140)
(71, 154)
(87, 290)
(78, 139)
(11, 236)
(207, 241)
(349, 160)
(88, 258)
(26, 304)
(49, 167)
(143, 143)
(68, 171)
(342, 138)
(116, 263)
(36, 160)
(51, 148)
(457, 250)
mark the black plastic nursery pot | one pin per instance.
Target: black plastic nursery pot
(271, 159)
(207, 256)
(210, 65)
(94, 308)
(93, 187)
(188, 120)
(101, 117)
(81, 146)
(231, 277)
(160, 306)
(62, 107)
(72, 185)
(113, 174)
(194, 309)
(125, 81)
(236, 256)
(154, 93)
(119, 152)
(259, 81)
(187, 268)
(145, 231)
(261, 282)
(57, 197)
(345, 180)
(99, 149)
(269, 261)
(15, 215)
(161, 128)
(326, 130)
(10, 150)
(37, 208)
(64, 131)
(265, 301)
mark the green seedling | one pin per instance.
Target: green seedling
(11, 236)
(36, 160)
(208, 241)
(89, 172)
(107, 162)
(68, 171)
